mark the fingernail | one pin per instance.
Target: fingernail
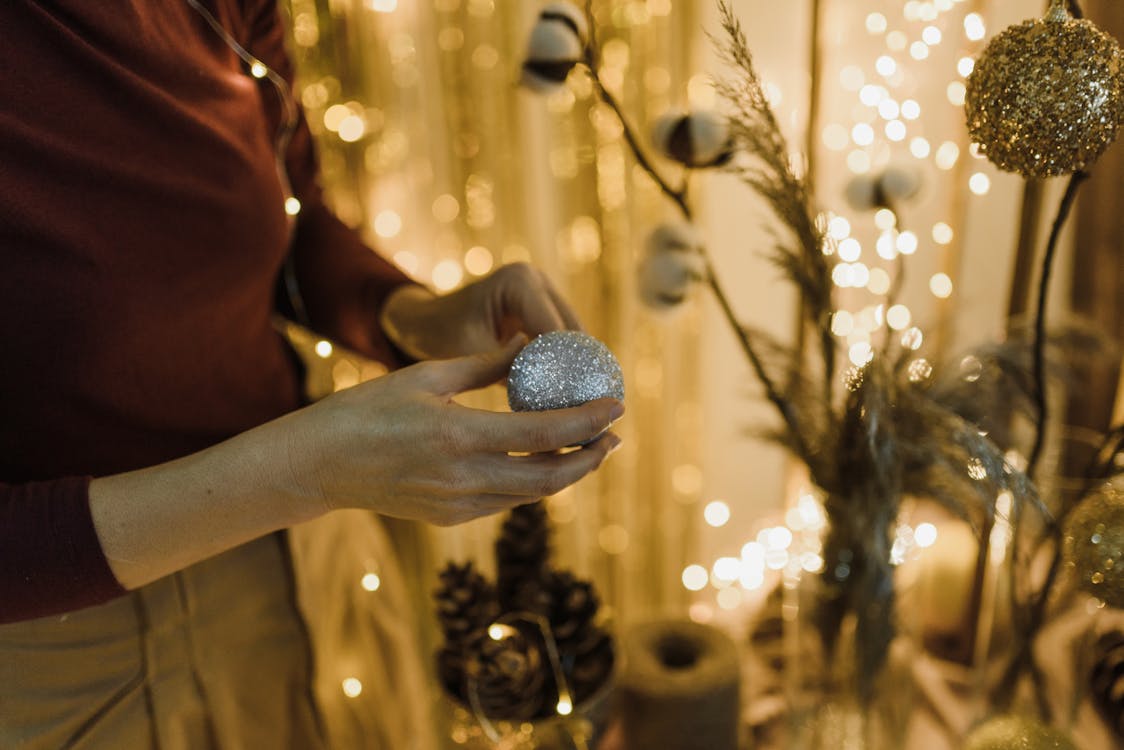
(616, 411)
(614, 447)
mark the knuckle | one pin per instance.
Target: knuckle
(520, 269)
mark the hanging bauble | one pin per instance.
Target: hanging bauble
(557, 44)
(697, 139)
(1094, 544)
(561, 369)
(672, 262)
(1017, 733)
(1046, 97)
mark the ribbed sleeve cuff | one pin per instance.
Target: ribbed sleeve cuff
(51, 560)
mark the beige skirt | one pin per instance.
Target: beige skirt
(226, 654)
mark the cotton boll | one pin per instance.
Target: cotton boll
(557, 44)
(900, 183)
(862, 193)
(697, 139)
(672, 262)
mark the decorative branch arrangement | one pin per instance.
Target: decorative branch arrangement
(893, 426)
(881, 436)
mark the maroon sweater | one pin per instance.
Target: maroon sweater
(141, 234)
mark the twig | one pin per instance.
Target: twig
(679, 197)
(1040, 319)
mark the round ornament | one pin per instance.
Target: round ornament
(672, 261)
(1017, 733)
(1046, 97)
(1094, 544)
(562, 369)
(557, 44)
(697, 139)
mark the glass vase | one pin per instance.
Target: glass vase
(847, 650)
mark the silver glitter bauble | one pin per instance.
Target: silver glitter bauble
(557, 44)
(1046, 96)
(1017, 733)
(562, 369)
(1094, 544)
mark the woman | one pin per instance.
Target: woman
(151, 441)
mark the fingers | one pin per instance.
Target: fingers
(569, 317)
(539, 431)
(542, 475)
(451, 376)
(527, 296)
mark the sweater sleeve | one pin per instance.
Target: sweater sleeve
(49, 551)
(342, 281)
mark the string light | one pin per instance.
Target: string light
(695, 578)
(716, 513)
(478, 260)
(323, 349)
(942, 233)
(447, 275)
(387, 224)
(352, 687)
(979, 183)
(974, 27)
(941, 285)
(370, 582)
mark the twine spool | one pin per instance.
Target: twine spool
(679, 688)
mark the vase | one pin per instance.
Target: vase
(847, 650)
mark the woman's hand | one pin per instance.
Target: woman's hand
(476, 318)
(401, 446)
(398, 445)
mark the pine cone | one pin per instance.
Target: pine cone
(585, 649)
(466, 605)
(522, 552)
(1108, 680)
(509, 676)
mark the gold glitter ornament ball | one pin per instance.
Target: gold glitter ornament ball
(1046, 96)
(561, 369)
(1017, 733)
(1094, 544)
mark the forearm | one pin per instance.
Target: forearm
(158, 520)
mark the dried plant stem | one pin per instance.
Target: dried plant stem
(679, 197)
(1040, 319)
(1023, 657)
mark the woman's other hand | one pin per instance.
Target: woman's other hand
(516, 298)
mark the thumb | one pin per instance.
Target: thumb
(452, 376)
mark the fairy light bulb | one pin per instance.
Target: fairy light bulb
(974, 27)
(292, 206)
